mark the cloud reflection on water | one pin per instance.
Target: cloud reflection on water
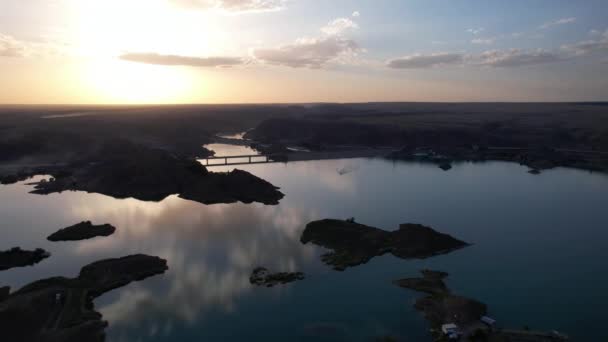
(211, 251)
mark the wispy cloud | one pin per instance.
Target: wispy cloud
(476, 31)
(13, 47)
(483, 41)
(558, 22)
(494, 58)
(420, 61)
(234, 6)
(10, 47)
(308, 53)
(158, 59)
(517, 58)
(339, 26)
(587, 47)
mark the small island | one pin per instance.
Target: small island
(82, 231)
(62, 309)
(454, 317)
(17, 257)
(354, 244)
(261, 276)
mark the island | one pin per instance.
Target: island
(454, 317)
(17, 257)
(261, 276)
(353, 244)
(61, 309)
(127, 170)
(82, 231)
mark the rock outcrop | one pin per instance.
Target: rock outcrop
(261, 276)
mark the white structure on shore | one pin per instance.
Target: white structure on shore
(451, 331)
(488, 321)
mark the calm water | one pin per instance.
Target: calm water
(538, 259)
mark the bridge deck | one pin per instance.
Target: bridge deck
(251, 159)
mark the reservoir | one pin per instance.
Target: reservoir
(537, 259)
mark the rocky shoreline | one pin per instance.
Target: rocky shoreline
(536, 159)
(354, 244)
(61, 309)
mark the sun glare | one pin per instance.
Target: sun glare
(114, 27)
(119, 81)
(104, 30)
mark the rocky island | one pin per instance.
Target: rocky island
(261, 276)
(354, 244)
(124, 170)
(82, 231)
(441, 306)
(17, 257)
(61, 309)
(464, 317)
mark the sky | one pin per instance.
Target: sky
(295, 51)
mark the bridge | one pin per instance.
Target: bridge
(242, 159)
(294, 157)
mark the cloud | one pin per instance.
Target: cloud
(10, 47)
(419, 61)
(595, 33)
(495, 58)
(234, 6)
(339, 26)
(589, 46)
(356, 14)
(314, 52)
(158, 59)
(517, 58)
(483, 41)
(562, 21)
(476, 31)
(308, 53)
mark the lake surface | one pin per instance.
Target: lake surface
(538, 259)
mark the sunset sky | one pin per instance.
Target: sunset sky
(266, 51)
